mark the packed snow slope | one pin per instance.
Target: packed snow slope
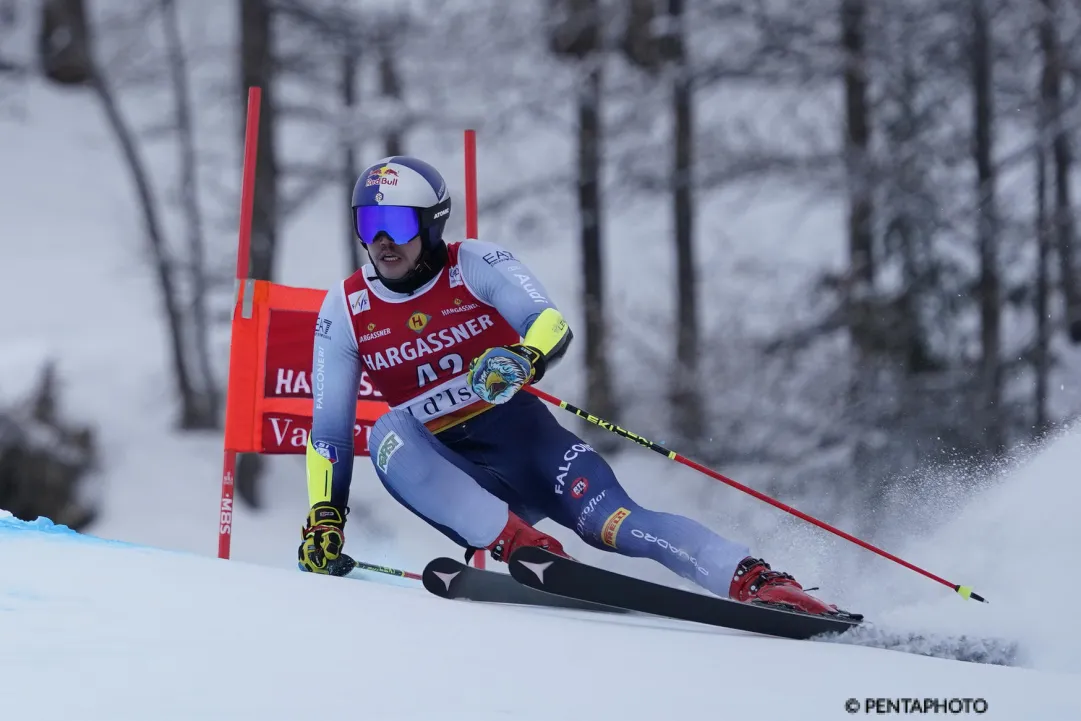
(100, 630)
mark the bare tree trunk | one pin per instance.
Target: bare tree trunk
(987, 225)
(686, 395)
(1041, 353)
(1064, 222)
(857, 143)
(1050, 135)
(1051, 96)
(577, 35)
(257, 67)
(350, 170)
(598, 373)
(390, 85)
(860, 279)
(192, 408)
(189, 193)
(67, 57)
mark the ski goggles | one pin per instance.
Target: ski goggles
(401, 224)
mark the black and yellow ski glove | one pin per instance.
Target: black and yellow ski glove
(324, 536)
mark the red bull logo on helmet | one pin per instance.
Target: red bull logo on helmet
(382, 176)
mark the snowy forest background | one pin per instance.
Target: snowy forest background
(826, 246)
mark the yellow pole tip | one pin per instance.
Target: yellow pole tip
(965, 591)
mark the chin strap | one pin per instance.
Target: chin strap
(428, 265)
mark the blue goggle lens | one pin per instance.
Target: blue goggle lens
(399, 223)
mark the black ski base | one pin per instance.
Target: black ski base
(453, 579)
(544, 571)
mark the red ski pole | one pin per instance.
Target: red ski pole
(964, 591)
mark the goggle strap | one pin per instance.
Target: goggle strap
(429, 216)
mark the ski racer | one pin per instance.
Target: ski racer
(449, 333)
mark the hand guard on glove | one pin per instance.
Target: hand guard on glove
(324, 536)
(498, 373)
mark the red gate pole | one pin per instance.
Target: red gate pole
(471, 228)
(247, 192)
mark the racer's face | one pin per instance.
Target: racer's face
(391, 260)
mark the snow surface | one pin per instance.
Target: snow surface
(102, 630)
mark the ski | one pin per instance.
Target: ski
(451, 579)
(544, 571)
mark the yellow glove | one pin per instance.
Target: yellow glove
(323, 537)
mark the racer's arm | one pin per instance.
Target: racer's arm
(336, 370)
(496, 277)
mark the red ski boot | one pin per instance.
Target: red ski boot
(518, 533)
(755, 582)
